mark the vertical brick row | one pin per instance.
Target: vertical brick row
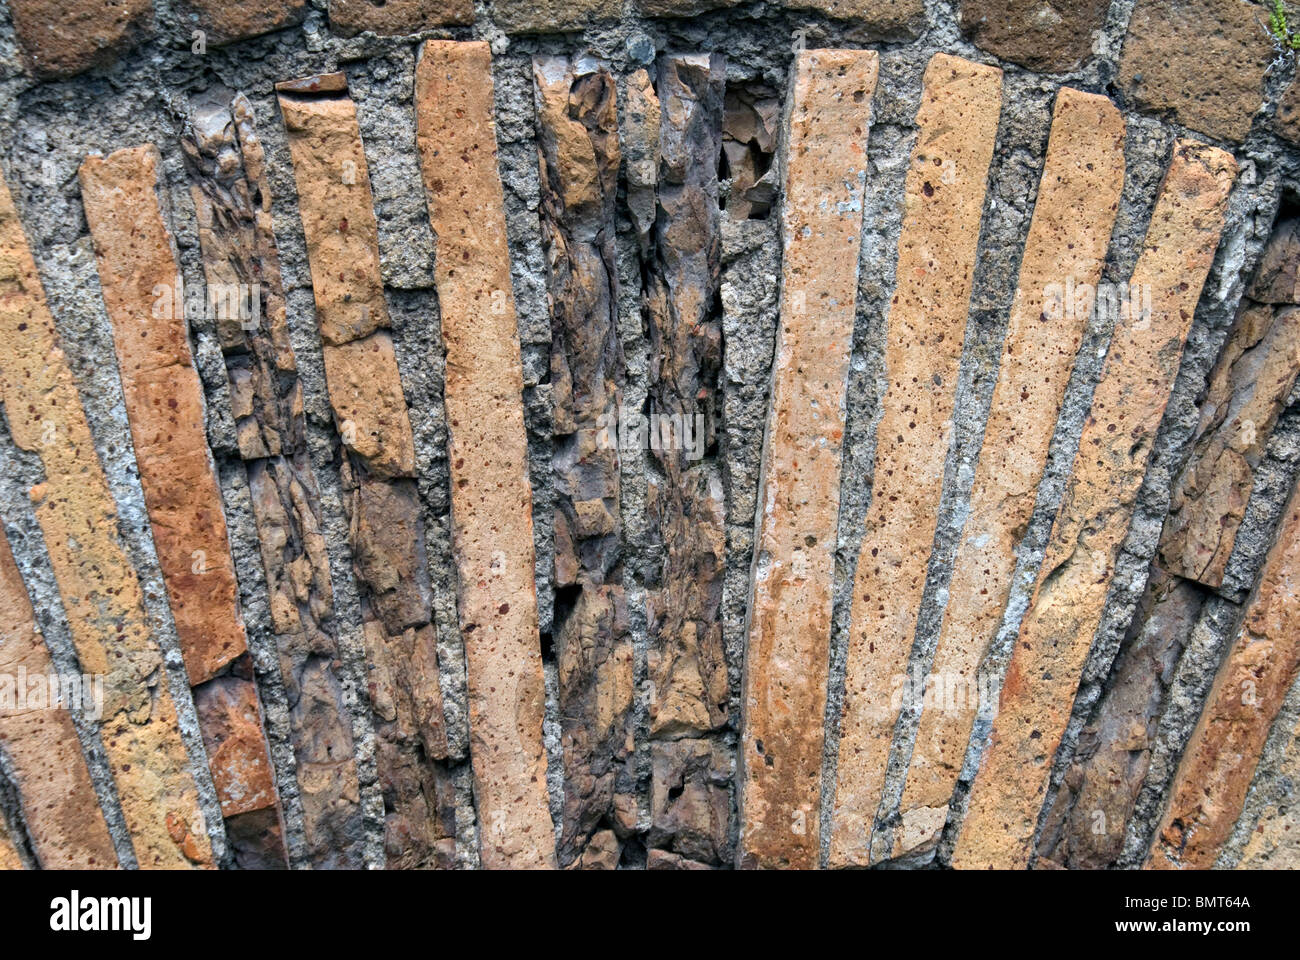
(140, 280)
(491, 506)
(232, 200)
(686, 659)
(1078, 196)
(957, 123)
(1092, 523)
(1209, 790)
(40, 745)
(579, 159)
(787, 656)
(100, 591)
(387, 525)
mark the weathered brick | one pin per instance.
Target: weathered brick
(943, 201)
(1277, 278)
(1247, 392)
(1085, 828)
(1202, 61)
(230, 720)
(1209, 790)
(9, 857)
(689, 799)
(1093, 521)
(876, 19)
(491, 509)
(60, 38)
(1045, 36)
(224, 21)
(788, 649)
(164, 404)
(232, 201)
(639, 136)
(394, 17)
(101, 593)
(40, 746)
(1275, 840)
(552, 16)
(1078, 195)
(387, 525)
(1287, 119)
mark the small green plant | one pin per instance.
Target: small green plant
(1279, 27)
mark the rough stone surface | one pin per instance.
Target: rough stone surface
(99, 588)
(40, 746)
(1069, 598)
(1078, 196)
(350, 17)
(60, 38)
(225, 21)
(1201, 61)
(1275, 841)
(1052, 37)
(871, 19)
(789, 630)
(943, 201)
(491, 500)
(551, 16)
(1217, 767)
(231, 721)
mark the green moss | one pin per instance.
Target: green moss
(1279, 27)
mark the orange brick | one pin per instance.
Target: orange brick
(60, 38)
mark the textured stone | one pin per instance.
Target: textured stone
(750, 125)
(1277, 279)
(1037, 34)
(943, 200)
(164, 404)
(1202, 61)
(60, 38)
(40, 747)
(492, 529)
(689, 799)
(224, 21)
(99, 588)
(640, 141)
(1078, 195)
(392, 17)
(1093, 521)
(232, 201)
(1275, 842)
(1209, 790)
(877, 19)
(230, 719)
(1247, 392)
(386, 519)
(1287, 119)
(552, 16)
(9, 857)
(789, 636)
(1085, 828)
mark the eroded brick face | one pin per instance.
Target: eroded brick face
(1033, 33)
(60, 38)
(225, 21)
(387, 17)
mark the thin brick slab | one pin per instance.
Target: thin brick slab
(943, 199)
(378, 469)
(1093, 521)
(1078, 196)
(39, 744)
(491, 507)
(1209, 790)
(101, 594)
(787, 655)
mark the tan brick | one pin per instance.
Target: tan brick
(1093, 521)
(1033, 33)
(1078, 195)
(787, 656)
(1202, 61)
(1209, 790)
(1248, 391)
(492, 529)
(1275, 840)
(230, 720)
(164, 404)
(552, 16)
(9, 858)
(943, 201)
(224, 21)
(58, 801)
(62, 37)
(101, 594)
(366, 393)
(350, 17)
(893, 19)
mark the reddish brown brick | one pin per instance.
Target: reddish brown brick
(552, 16)
(1045, 36)
(787, 656)
(223, 21)
(390, 17)
(60, 38)
(1093, 521)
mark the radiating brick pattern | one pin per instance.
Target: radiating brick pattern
(226, 164)
(789, 638)
(492, 529)
(1092, 523)
(386, 515)
(1078, 194)
(579, 160)
(1209, 790)
(39, 743)
(943, 199)
(99, 588)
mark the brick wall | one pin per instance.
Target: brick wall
(668, 434)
